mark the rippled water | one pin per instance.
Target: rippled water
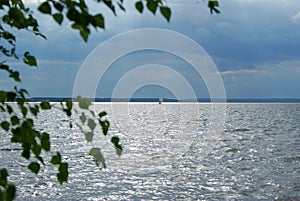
(170, 155)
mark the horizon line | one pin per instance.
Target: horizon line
(97, 99)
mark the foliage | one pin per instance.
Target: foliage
(212, 5)
(20, 122)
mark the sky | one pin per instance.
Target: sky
(254, 47)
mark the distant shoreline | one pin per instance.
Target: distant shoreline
(200, 100)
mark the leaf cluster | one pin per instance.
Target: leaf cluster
(153, 6)
(89, 120)
(77, 12)
(9, 190)
(20, 122)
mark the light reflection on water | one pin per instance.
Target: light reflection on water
(168, 155)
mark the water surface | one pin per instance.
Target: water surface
(170, 155)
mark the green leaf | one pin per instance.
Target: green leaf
(36, 149)
(82, 118)
(76, 26)
(14, 120)
(119, 149)
(152, 6)
(40, 159)
(24, 111)
(91, 124)
(105, 126)
(56, 159)
(9, 109)
(62, 175)
(10, 192)
(212, 3)
(69, 104)
(15, 75)
(63, 167)
(102, 114)
(29, 59)
(121, 7)
(5, 125)
(3, 174)
(92, 113)
(58, 6)
(34, 167)
(212, 6)
(139, 6)
(115, 140)
(45, 141)
(84, 103)
(73, 14)
(110, 5)
(34, 110)
(89, 136)
(98, 157)
(58, 17)
(5, 2)
(17, 15)
(26, 154)
(45, 8)
(166, 12)
(45, 105)
(26, 150)
(84, 34)
(11, 96)
(99, 20)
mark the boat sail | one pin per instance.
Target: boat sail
(160, 100)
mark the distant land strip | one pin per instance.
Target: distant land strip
(204, 100)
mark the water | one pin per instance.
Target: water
(171, 152)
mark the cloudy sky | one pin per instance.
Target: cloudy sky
(254, 45)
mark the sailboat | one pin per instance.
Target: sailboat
(160, 100)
